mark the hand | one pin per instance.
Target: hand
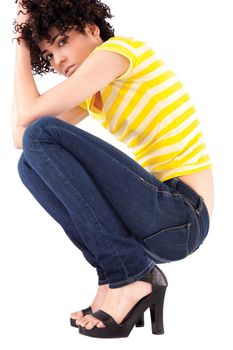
(22, 14)
(22, 17)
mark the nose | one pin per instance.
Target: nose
(59, 61)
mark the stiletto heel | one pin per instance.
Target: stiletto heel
(135, 316)
(140, 322)
(156, 312)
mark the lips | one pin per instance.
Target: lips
(69, 70)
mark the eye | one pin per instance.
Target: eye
(47, 57)
(64, 40)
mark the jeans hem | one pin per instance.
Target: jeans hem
(100, 283)
(133, 278)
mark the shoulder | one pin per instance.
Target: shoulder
(120, 51)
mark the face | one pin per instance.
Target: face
(70, 49)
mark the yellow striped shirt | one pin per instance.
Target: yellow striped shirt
(148, 109)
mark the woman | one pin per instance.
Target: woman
(125, 215)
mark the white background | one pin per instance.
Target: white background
(44, 277)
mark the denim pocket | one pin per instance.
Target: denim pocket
(171, 243)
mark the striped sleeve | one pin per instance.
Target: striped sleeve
(123, 47)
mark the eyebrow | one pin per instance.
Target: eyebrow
(51, 42)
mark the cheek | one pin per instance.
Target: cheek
(83, 48)
(80, 54)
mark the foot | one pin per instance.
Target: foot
(118, 302)
(97, 302)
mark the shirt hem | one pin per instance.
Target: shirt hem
(185, 172)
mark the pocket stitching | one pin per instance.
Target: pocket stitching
(188, 225)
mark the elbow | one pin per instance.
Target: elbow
(17, 138)
(23, 122)
(23, 119)
(17, 144)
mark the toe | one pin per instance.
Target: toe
(76, 314)
(90, 322)
(84, 320)
(100, 324)
(90, 325)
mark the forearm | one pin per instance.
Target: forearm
(25, 89)
(17, 130)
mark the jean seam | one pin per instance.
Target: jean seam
(196, 212)
(23, 174)
(38, 141)
(156, 189)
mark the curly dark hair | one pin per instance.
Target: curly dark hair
(63, 15)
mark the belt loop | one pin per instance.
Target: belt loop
(200, 206)
(175, 180)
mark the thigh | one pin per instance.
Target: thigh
(144, 204)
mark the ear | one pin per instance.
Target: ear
(93, 29)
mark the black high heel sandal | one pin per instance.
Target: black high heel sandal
(154, 301)
(88, 311)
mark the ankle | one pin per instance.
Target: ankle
(104, 287)
(135, 289)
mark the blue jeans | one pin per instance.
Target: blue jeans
(123, 219)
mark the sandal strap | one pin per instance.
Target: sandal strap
(87, 311)
(105, 318)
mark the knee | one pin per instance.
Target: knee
(34, 130)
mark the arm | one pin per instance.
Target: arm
(73, 116)
(17, 130)
(97, 71)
